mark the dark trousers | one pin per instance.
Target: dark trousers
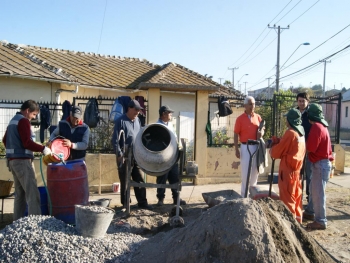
(173, 177)
(136, 175)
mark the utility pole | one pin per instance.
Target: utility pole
(278, 54)
(245, 87)
(233, 76)
(268, 87)
(220, 80)
(324, 76)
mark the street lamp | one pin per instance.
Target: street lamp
(239, 80)
(302, 44)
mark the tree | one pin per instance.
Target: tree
(284, 103)
(227, 83)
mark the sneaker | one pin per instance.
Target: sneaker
(308, 216)
(160, 202)
(182, 202)
(146, 206)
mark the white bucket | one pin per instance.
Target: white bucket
(116, 187)
(93, 221)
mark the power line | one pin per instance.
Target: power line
(304, 12)
(288, 12)
(316, 47)
(260, 35)
(318, 62)
(103, 21)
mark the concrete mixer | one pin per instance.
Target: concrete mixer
(156, 150)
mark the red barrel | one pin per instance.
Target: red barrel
(68, 186)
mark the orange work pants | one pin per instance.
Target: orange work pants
(290, 191)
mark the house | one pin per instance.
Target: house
(56, 75)
(345, 117)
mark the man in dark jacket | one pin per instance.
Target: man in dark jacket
(130, 124)
(75, 132)
(20, 145)
(303, 100)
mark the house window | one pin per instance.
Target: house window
(346, 111)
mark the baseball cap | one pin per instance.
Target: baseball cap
(164, 109)
(77, 112)
(135, 104)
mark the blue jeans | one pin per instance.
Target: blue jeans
(308, 176)
(320, 175)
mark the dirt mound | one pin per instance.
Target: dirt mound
(240, 230)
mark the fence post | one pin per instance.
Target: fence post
(274, 114)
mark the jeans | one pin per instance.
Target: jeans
(320, 175)
(308, 176)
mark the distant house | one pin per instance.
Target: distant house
(345, 114)
(56, 75)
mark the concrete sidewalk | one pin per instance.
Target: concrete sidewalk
(192, 193)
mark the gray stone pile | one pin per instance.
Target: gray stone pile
(47, 239)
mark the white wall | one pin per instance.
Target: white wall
(345, 121)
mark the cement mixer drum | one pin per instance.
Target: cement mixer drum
(155, 149)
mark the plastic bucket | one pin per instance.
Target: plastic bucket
(59, 151)
(43, 202)
(68, 186)
(92, 221)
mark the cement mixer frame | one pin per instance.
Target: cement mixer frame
(176, 220)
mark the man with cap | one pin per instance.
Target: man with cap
(75, 133)
(20, 147)
(165, 114)
(320, 155)
(130, 124)
(291, 150)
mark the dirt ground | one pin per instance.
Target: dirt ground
(335, 239)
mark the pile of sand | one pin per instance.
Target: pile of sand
(240, 230)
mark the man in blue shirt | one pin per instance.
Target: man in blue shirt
(165, 114)
(130, 124)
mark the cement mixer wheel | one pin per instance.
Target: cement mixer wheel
(173, 211)
(176, 221)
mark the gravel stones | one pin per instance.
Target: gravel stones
(47, 239)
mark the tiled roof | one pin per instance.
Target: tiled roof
(97, 70)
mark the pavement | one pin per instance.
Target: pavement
(192, 193)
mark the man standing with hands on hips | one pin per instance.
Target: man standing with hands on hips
(20, 145)
(165, 114)
(246, 128)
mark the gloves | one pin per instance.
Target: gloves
(47, 151)
(275, 140)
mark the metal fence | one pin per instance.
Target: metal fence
(8, 110)
(272, 111)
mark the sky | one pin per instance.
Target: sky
(207, 36)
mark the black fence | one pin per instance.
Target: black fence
(272, 111)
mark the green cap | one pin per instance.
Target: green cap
(294, 119)
(315, 113)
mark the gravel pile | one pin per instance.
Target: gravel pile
(47, 239)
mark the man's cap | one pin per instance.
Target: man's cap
(135, 104)
(294, 119)
(315, 113)
(164, 109)
(77, 112)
